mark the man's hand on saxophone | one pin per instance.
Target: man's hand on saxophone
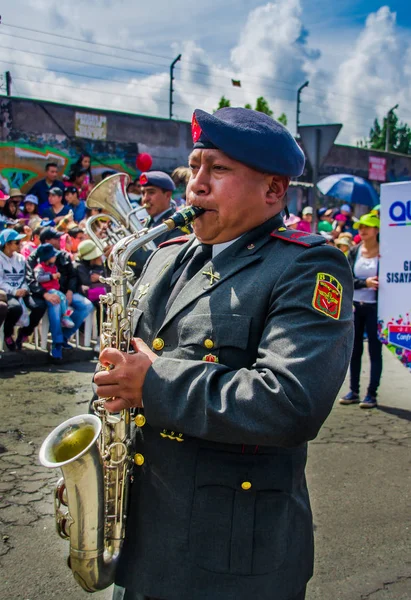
(123, 381)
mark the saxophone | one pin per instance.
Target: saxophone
(94, 451)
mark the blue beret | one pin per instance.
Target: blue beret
(158, 179)
(45, 252)
(251, 137)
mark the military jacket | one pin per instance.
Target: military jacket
(251, 356)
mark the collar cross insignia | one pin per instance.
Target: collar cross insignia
(213, 275)
(142, 290)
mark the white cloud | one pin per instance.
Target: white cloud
(374, 77)
(272, 56)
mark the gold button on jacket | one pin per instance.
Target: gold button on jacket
(158, 344)
(140, 420)
(139, 459)
(209, 344)
(246, 485)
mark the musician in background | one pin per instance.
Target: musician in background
(235, 326)
(157, 189)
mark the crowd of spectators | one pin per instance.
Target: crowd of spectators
(47, 264)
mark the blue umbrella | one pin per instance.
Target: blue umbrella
(349, 188)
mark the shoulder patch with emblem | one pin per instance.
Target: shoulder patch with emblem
(294, 236)
(178, 240)
(328, 295)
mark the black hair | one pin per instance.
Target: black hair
(107, 174)
(19, 228)
(51, 164)
(76, 172)
(37, 231)
(35, 212)
(6, 210)
(77, 165)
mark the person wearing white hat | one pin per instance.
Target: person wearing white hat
(89, 268)
(307, 217)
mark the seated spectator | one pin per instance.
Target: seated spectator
(84, 162)
(57, 209)
(77, 235)
(350, 220)
(292, 222)
(13, 283)
(47, 275)
(11, 209)
(325, 220)
(344, 244)
(77, 179)
(82, 307)
(27, 247)
(307, 217)
(89, 268)
(17, 195)
(42, 188)
(77, 206)
(3, 199)
(31, 215)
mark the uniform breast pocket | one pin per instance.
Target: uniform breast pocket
(222, 336)
(240, 515)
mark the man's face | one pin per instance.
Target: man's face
(71, 198)
(328, 216)
(52, 173)
(54, 199)
(236, 198)
(156, 199)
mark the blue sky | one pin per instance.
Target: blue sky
(356, 55)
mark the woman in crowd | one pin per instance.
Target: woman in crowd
(31, 215)
(29, 246)
(306, 220)
(84, 162)
(89, 268)
(292, 222)
(77, 178)
(13, 283)
(11, 209)
(3, 199)
(364, 263)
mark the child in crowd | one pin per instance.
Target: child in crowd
(31, 215)
(47, 275)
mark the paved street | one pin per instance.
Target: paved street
(359, 477)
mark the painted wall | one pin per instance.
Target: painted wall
(33, 133)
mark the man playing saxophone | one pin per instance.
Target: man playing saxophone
(233, 329)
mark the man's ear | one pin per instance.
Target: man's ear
(277, 188)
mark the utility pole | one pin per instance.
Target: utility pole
(8, 83)
(170, 104)
(300, 89)
(387, 127)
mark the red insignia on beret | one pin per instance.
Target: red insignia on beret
(143, 179)
(195, 129)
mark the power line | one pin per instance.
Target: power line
(83, 62)
(274, 87)
(59, 45)
(66, 37)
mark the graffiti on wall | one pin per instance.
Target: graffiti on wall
(23, 163)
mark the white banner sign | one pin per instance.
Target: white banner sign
(91, 126)
(394, 303)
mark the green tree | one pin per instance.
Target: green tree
(399, 135)
(224, 103)
(248, 106)
(283, 119)
(261, 105)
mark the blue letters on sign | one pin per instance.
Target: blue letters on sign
(403, 340)
(400, 211)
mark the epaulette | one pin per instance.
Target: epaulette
(179, 240)
(298, 237)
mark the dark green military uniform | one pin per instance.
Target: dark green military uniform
(219, 508)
